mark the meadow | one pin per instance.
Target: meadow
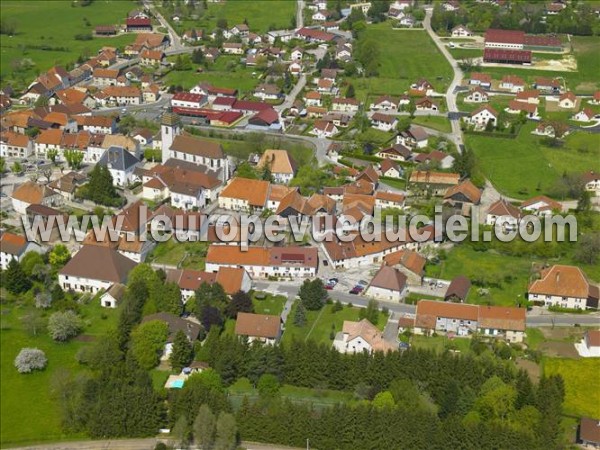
(524, 167)
(29, 411)
(582, 397)
(37, 25)
(404, 57)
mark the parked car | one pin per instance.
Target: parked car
(333, 280)
(329, 287)
(359, 288)
(363, 283)
(354, 292)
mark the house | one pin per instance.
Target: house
(312, 98)
(585, 115)
(144, 136)
(14, 246)
(232, 48)
(231, 279)
(120, 96)
(504, 213)
(112, 296)
(14, 145)
(458, 290)
(481, 79)
(477, 95)
(589, 347)
(266, 119)
(437, 183)
(388, 284)
(460, 31)
(348, 105)
(259, 327)
(94, 268)
(192, 35)
(385, 103)
(295, 68)
(324, 129)
(152, 58)
(105, 77)
(462, 197)
(540, 206)
(499, 321)
(30, 193)
(565, 287)
(384, 122)
(568, 100)
(414, 137)
(266, 91)
(68, 184)
(175, 324)
(285, 262)
(343, 52)
(390, 169)
(410, 263)
(595, 100)
(297, 54)
(528, 109)
(440, 159)
(592, 182)
(547, 85)
(280, 163)
(359, 337)
(121, 165)
(423, 86)
(397, 152)
(531, 96)
(48, 140)
(99, 124)
(588, 433)
(243, 194)
(326, 86)
(447, 317)
(426, 104)
(188, 100)
(512, 83)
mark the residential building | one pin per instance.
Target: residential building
(414, 137)
(585, 115)
(565, 287)
(14, 145)
(568, 100)
(436, 183)
(504, 213)
(259, 327)
(121, 164)
(30, 193)
(232, 280)
(112, 296)
(348, 105)
(592, 182)
(243, 194)
(359, 337)
(588, 433)
(390, 169)
(483, 80)
(397, 152)
(458, 289)
(280, 163)
(384, 122)
(482, 116)
(462, 197)
(589, 346)
(388, 284)
(460, 31)
(477, 95)
(499, 321)
(540, 206)
(410, 263)
(14, 246)
(512, 83)
(434, 316)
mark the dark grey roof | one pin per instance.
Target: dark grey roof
(118, 158)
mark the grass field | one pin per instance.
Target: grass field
(404, 57)
(435, 122)
(28, 412)
(271, 304)
(262, 15)
(172, 253)
(440, 343)
(582, 397)
(519, 167)
(54, 24)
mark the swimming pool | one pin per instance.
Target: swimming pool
(177, 384)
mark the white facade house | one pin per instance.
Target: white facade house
(388, 284)
(13, 145)
(359, 337)
(121, 164)
(14, 246)
(505, 213)
(589, 346)
(384, 122)
(460, 31)
(565, 287)
(482, 116)
(112, 296)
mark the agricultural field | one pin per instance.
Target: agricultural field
(582, 397)
(261, 15)
(396, 47)
(524, 167)
(26, 398)
(36, 27)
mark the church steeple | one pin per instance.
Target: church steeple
(169, 128)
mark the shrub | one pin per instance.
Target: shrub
(64, 325)
(30, 359)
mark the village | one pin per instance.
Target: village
(199, 126)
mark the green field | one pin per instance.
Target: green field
(261, 15)
(440, 343)
(172, 253)
(582, 397)
(226, 72)
(524, 167)
(404, 57)
(54, 24)
(435, 122)
(271, 304)
(29, 413)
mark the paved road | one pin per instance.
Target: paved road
(299, 14)
(135, 444)
(176, 45)
(456, 81)
(289, 98)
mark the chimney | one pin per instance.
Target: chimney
(557, 277)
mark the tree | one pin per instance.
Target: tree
(16, 280)
(30, 359)
(198, 56)
(33, 322)
(464, 162)
(74, 158)
(403, 124)
(64, 325)
(371, 312)
(384, 400)
(52, 155)
(180, 432)
(16, 167)
(268, 386)
(100, 188)
(584, 203)
(204, 427)
(313, 294)
(245, 170)
(29, 261)
(226, 435)
(588, 248)
(240, 302)
(182, 353)
(147, 342)
(350, 93)
(2, 165)
(59, 256)
(300, 315)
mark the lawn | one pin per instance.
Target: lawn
(172, 253)
(404, 57)
(28, 412)
(440, 343)
(36, 25)
(271, 304)
(318, 325)
(534, 337)
(261, 15)
(435, 122)
(582, 397)
(524, 167)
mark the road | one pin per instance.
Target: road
(289, 98)
(456, 81)
(135, 444)
(300, 14)
(176, 46)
